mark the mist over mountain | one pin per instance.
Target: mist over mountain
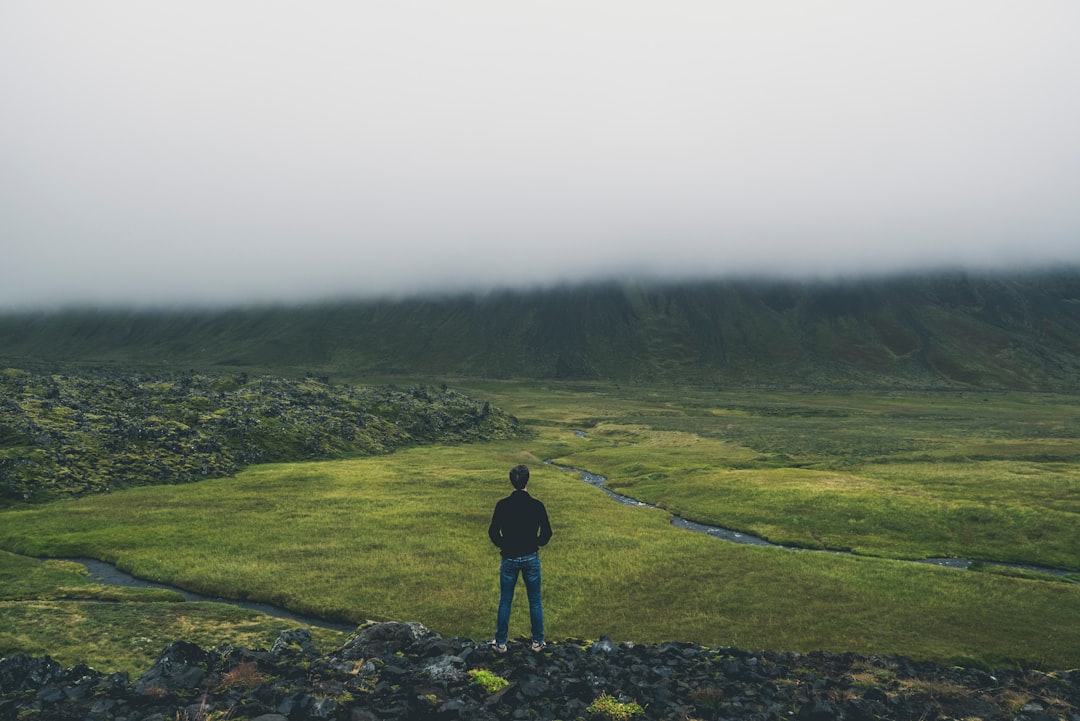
(254, 152)
(949, 329)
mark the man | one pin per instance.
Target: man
(519, 526)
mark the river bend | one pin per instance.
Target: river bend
(726, 534)
(107, 573)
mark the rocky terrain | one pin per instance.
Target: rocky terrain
(404, 671)
(92, 430)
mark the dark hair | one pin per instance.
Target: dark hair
(519, 476)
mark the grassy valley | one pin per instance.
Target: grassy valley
(342, 461)
(402, 536)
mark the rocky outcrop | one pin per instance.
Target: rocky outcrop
(404, 671)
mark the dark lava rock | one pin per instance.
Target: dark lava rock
(403, 671)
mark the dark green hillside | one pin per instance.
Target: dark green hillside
(72, 434)
(1019, 331)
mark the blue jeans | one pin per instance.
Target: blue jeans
(529, 567)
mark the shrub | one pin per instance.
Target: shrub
(612, 708)
(245, 674)
(487, 680)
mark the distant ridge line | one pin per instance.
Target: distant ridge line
(1018, 331)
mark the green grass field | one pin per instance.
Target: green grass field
(404, 536)
(52, 608)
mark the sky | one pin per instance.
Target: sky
(250, 151)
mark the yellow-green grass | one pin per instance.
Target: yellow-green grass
(1004, 510)
(404, 537)
(52, 608)
(991, 476)
(27, 579)
(906, 475)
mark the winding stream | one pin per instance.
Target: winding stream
(726, 534)
(108, 574)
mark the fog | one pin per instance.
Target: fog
(232, 152)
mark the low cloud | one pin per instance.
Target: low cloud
(214, 153)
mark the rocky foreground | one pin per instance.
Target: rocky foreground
(404, 671)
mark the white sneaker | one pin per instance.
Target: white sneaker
(499, 647)
(538, 645)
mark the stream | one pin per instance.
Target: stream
(107, 573)
(110, 575)
(726, 534)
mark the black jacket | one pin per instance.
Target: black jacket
(519, 525)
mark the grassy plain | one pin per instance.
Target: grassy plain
(892, 476)
(52, 608)
(902, 475)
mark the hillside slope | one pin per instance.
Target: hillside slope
(69, 435)
(1019, 331)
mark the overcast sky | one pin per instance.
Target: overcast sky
(257, 150)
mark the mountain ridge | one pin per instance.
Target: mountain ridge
(1008, 331)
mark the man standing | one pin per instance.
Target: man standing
(519, 526)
